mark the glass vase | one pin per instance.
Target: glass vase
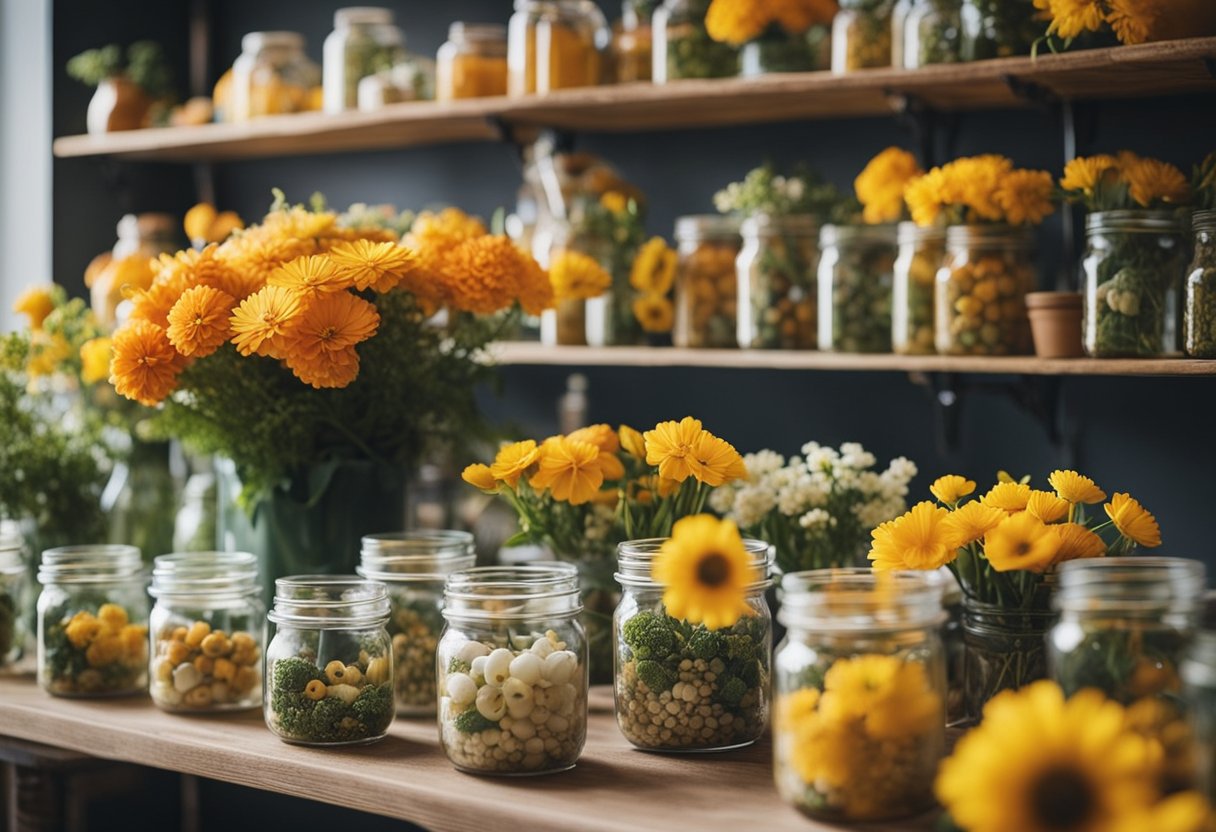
(1004, 649)
(141, 499)
(783, 52)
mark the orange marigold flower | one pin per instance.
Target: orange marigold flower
(880, 185)
(479, 476)
(145, 365)
(153, 304)
(329, 369)
(379, 266)
(198, 322)
(737, 21)
(512, 460)
(483, 274)
(1132, 20)
(310, 276)
(256, 256)
(1070, 18)
(262, 322)
(1024, 196)
(331, 324)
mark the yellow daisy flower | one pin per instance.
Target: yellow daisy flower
(880, 185)
(1084, 173)
(718, 460)
(1024, 196)
(1009, 497)
(1133, 521)
(736, 21)
(1075, 488)
(1132, 20)
(367, 264)
(1151, 181)
(655, 313)
(705, 572)
(1021, 541)
(951, 488)
(95, 360)
(654, 268)
(1182, 812)
(479, 476)
(262, 321)
(670, 447)
(311, 276)
(971, 521)
(570, 471)
(891, 697)
(917, 540)
(632, 441)
(1047, 506)
(1077, 541)
(576, 276)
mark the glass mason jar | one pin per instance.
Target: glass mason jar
(414, 565)
(998, 28)
(681, 686)
(632, 44)
(778, 52)
(1200, 317)
(13, 582)
(921, 251)
(859, 719)
(364, 41)
(707, 292)
(208, 629)
(329, 666)
(1003, 649)
(1199, 687)
(554, 45)
(683, 47)
(93, 621)
(776, 272)
(472, 63)
(932, 34)
(861, 35)
(141, 498)
(856, 267)
(606, 320)
(1133, 267)
(980, 306)
(272, 75)
(512, 670)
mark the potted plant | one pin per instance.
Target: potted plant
(131, 89)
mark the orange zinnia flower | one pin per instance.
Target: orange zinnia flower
(367, 264)
(310, 276)
(153, 304)
(198, 322)
(332, 324)
(145, 365)
(483, 274)
(262, 320)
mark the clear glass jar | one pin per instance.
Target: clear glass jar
(980, 306)
(707, 291)
(141, 498)
(681, 686)
(633, 43)
(473, 62)
(208, 629)
(512, 670)
(1199, 687)
(272, 76)
(364, 42)
(921, 251)
(998, 28)
(1200, 317)
(93, 621)
(856, 267)
(12, 592)
(776, 273)
(861, 35)
(329, 666)
(932, 34)
(859, 723)
(1132, 269)
(554, 45)
(684, 49)
(414, 565)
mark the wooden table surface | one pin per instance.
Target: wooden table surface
(406, 775)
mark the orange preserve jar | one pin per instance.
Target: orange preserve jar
(473, 62)
(555, 44)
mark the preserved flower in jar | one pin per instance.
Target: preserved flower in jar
(364, 42)
(932, 34)
(473, 62)
(706, 283)
(555, 44)
(980, 302)
(861, 35)
(1200, 319)
(272, 76)
(855, 272)
(998, 28)
(683, 47)
(776, 283)
(921, 251)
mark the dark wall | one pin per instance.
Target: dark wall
(1151, 437)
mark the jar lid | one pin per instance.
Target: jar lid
(1131, 585)
(635, 557)
(185, 574)
(910, 232)
(512, 593)
(97, 563)
(329, 602)
(482, 32)
(1203, 220)
(861, 600)
(696, 226)
(883, 234)
(421, 555)
(363, 16)
(1134, 222)
(770, 224)
(254, 42)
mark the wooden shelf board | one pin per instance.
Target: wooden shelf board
(531, 353)
(1172, 67)
(406, 775)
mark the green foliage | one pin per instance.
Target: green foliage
(656, 675)
(144, 64)
(705, 644)
(327, 720)
(648, 635)
(731, 690)
(292, 676)
(472, 722)
(93, 66)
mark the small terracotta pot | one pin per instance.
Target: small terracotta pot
(1055, 320)
(118, 104)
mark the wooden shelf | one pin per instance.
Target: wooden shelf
(406, 775)
(534, 354)
(1172, 67)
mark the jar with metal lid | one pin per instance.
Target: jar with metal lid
(364, 42)
(13, 581)
(776, 272)
(683, 47)
(706, 284)
(272, 76)
(681, 686)
(93, 621)
(1200, 316)
(856, 266)
(998, 28)
(472, 63)
(859, 718)
(632, 42)
(512, 670)
(861, 35)
(932, 34)
(208, 629)
(414, 565)
(555, 44)
(921, 251)
(329, 666)
(1132, 271)
(980, 301)
(1199, 689)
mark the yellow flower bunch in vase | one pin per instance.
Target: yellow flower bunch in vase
(1123, 21)
(776, 35)
(653, 276)
(582, 301)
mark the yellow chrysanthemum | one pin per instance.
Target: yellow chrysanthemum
(671, 445)
(479, 476)
(654, 268)
(35, 303)
(705, 572)
(1072, 487)
(1021, 542)
(435, 236)
(606, 439)
(972, 183)
(892, 698)
(1085, 172)
(1070, 18)
(198, 322)
(153, 304)
(717, 459)
(654, 312)
(484, 274)
(576, 276)
(1009, 497)
(1024, 196)
(261, 323)
(300, 223)
(925, 197)
(1132, 20)
(513, 460)
(95, 357)
(311, 276)
(145, 365)
(1046, 506)
(1134, 521)
(917, 540)
(1151, 181)
(632, 441)
(570, 471)
(1182, 812)
(1077, 541)
(370, 265)
(209, 268)
(971, 521)
(1037, 763)
(737, 21)
(881, 183)
(255, 256)
(951, 488)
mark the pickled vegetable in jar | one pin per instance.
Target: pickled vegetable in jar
(998, 28)
(1200, 319)
(776, 272)
(855, 272)
(706, 283)
(364, 42)
(921, 251)
(683, 47)
(555, 44)
(272, 76)
(632, 43)
(473, 62)
(980, 300)
(932, 34)
(861, 35)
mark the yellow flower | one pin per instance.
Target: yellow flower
(1037, 763)
(972, 183)
(1182, 812)
(737, 21)
(1151, 181)
(479, 476)
(1077, 541)
(1133, 521)
(512, 460)
(632, 441)
(145, 365)
(614, 202)
(796, 16)
(917, 540)
(47, 354)
(570, 471)
(1070, 18)
(604, 438)
(718, 460)
(330, 324)
(198, 221)
(95, 360)
(370, 265)
(486, 274)
(925, 197)
(576, 276)
(1046, 506)
(951, 488)
(654, 312)
(654, 268)
(971, 521)
(670, 447)
(1009, 497)
(327, 369)
(1021, 541)
(1024, 196)
(198, 322)
(1072, 487)
(893, 698)
(705, 571)
(261, 323)
(35, 303)
(1132, 20)
(311, 276)
(880, 185)
(793, 708)
(1084, 173)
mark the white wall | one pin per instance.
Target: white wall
(25, 149)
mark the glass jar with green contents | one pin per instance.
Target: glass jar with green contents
(1200, 318)
(998, 28)
(1132, 271)
(1199, 686)
(706, 285)
(683, 47)
(861, 35)
(364, 41)
(921, 251)
(855, 273)
(776, 282)
(12, 590)
(681, 686)
(932, 34)
(414, 565)
(980, 300)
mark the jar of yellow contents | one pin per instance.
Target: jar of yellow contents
(706, 283)
(980, 301)
(473, 62)
(555, 44)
